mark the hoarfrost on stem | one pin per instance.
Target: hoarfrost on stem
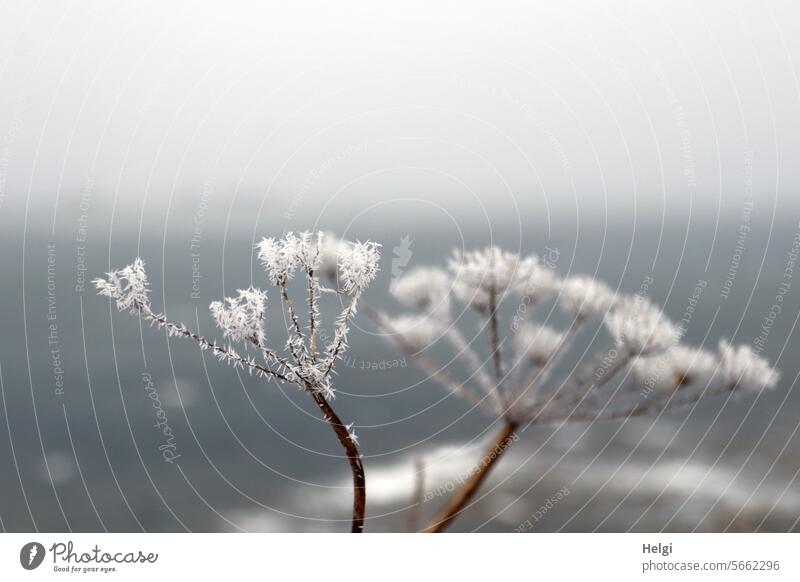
(241, 319)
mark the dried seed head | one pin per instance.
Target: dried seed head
(584, 297)
(490, 271)
(640, 327)
(537, 342)
(426, 288)
(416, 332)
(741, 367)
(677, 367)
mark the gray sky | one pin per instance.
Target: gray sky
(448, 111)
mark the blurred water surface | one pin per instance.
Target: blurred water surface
(247, 454)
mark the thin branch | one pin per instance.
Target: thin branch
(536, 377)
(418, 495)
(429, 366)
(228, 354)
(313, 310)
(646, 408)
(340, 335)
(295, 324)
(462, 497)
(353, 456)
(494, 337)
(573, 395)
(476, 366)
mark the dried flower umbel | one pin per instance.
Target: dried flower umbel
(512, 380)
(241, 319)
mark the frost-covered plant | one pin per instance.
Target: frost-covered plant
(644, 371)
(241, 320)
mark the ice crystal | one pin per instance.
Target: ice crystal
(127, 286)
(279, 257)
(241, 318)
(358, 266)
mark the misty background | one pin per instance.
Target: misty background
(635, 141)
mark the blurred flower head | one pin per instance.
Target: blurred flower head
(640, 327)
(538, 342)
(425, 288)
(584, 297)
(745, 370)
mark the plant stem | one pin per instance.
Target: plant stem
(418, 496)
(480, 472)
(494, 336)
(353, 456)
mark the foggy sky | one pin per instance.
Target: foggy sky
(451, 112)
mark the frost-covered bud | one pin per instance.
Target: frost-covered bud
(426, 288)
(127, 287)
(305, 248)
(640, 327)
(538, 342)
(480, 273)
(677, 367)
(279, 257)
(745, 370)
(416, 332)
(240, 318)
(358, 265)
(583, 297)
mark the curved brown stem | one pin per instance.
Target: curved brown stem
(480, 472)
(353, 456)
